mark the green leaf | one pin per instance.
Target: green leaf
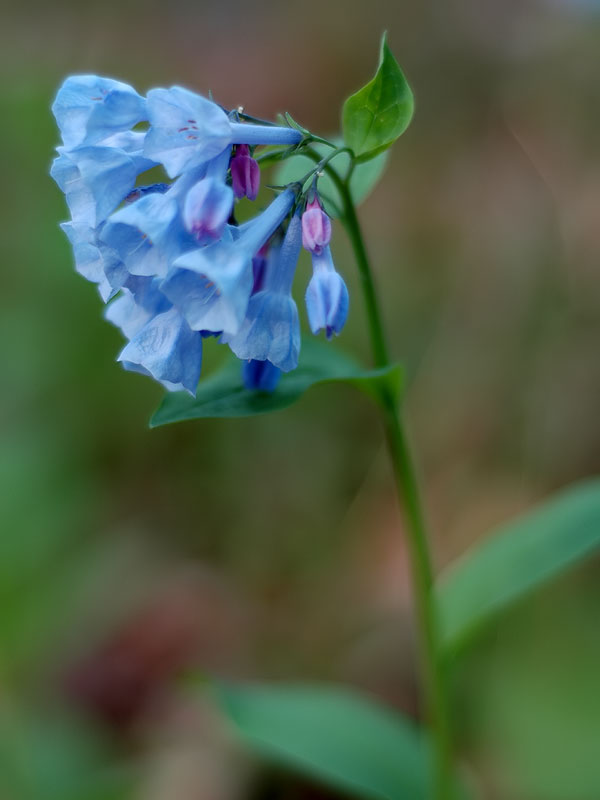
(374, 117)
(222, 394)
(363, 179)
(334, 735)
(517, 558)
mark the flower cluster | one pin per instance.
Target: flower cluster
(169, 255)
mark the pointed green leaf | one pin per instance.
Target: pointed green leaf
(335, 735)
(364, 176)
(374, 117)
(222, 394)
(517, 558)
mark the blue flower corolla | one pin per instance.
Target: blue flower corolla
(187, 130)
(89, 109)
(161, 344)
(211, 285)
(326, 296)
(140, 300)
(94, 260)
(135, 230)
(209, 202)
(96, 180)
(151, 232)
(271, 328)
(260, 375)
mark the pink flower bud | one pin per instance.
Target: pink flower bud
(245, 173)
(316, 228)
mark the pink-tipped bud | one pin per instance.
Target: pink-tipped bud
(245, 173)
(316, 228)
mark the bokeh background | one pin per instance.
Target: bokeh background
(271, 547)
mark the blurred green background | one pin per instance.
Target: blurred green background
(271, 547)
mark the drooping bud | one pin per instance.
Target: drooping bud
(316, 228)
(245, 173)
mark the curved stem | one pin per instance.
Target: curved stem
(433, 678)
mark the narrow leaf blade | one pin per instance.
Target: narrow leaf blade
(335, 735)
(517, 558)
(375, 116)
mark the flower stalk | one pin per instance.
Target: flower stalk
(432, 668)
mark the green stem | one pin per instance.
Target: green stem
(433, 678)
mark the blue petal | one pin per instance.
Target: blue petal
(271, 330)
(215, 299)
(327, 302)
(168, 350)
(260, 375)
(138, 303)
(95, 181)
(96, 262)
(88, 109)
(207, 208)
(282, 263)
(186, 130)
(144, 234)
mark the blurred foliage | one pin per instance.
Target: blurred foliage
(269, 547)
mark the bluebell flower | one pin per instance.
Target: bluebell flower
(89, 109)
(209, 202)
(326, 296)
(168, 350)
(271, 328)
(135, 230)
(212, 285)
(187, 130)
(139, 301)
(96, 180)
(181, 270)
(150, 233)
(260, 375)
(95, 261)
(161, 343)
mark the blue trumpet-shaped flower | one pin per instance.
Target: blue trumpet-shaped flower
(172, 252)
(139, 234)
(161, 344)
(209, 202)
(168, 350)
(96, 180)
(271, 329)
(140, 300)
(187, 130)
(89, 109)
(212, 285)
(94, 260)
(326, 296)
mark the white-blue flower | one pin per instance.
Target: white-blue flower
(187, 130)
(270, 330)
(89, 109)
(326, 296)
(212, 285)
